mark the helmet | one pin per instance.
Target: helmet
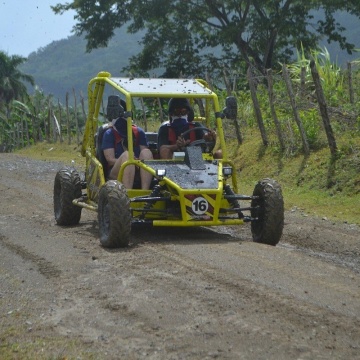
(115, 107)
(176, 103)
(121, 126)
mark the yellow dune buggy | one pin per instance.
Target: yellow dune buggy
(192, 189)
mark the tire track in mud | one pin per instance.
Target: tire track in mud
(267, 302)
(211, 297)
(45, 267)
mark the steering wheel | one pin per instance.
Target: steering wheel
(206, 146)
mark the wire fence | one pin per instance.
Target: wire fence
(291, 109)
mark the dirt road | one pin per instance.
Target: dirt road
(173, 294)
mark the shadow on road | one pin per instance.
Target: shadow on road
(184, 236)
(141, 234)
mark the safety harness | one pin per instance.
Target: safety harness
(172, 135)
(119, 138)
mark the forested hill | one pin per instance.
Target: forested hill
(63, 65)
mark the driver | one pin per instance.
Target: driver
(170, 137)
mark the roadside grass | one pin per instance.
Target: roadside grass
(315, 185)
(45, 349)
(17, 343)
(62, 152)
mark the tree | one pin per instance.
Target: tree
(195, 36)
(11, 79)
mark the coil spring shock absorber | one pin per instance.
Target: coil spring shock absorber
(149, 204)
(233, 202)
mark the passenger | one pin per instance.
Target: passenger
(115, 149)
(170, 137)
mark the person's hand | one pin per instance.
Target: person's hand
(210, 136)
(181, 142)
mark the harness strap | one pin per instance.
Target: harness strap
(118, 137)
(172, 135)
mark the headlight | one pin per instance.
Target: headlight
(160, 173)
(227, 171)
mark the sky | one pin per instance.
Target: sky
(27, 25)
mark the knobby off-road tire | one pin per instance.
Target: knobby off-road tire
(114, 215)
(67, 187)
(269, 226)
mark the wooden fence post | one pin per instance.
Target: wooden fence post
(161, 113)
(144, 113)
(27, 133)
(272, 108)
(295, 111)
(17, 136)
(208, 80)
(21, 133)
(257, 107)
(302, 82)
(351, 90)
(227, 82)
(13, 139)
(60, 125)
(201, 107)
(323, 108)
(55, 123)
(48, 120)
(34, 129)
(76, 119)
(83, 107)
(68, 119)
(235, 119)
(234, 83)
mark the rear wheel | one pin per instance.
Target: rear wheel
(67, 187)
(268, 208)
(114, 215)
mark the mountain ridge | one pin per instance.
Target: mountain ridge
(64, 65)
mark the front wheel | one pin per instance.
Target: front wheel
(114, 215)
(268, 208)
(67, 187)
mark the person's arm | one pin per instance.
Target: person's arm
(107, 147)
(165, 149)
(181, 143)
(201, 133)
(210, 136)
(110, 156)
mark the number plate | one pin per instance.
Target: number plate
(199, 206)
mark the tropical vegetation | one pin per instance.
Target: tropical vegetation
(182, 37)
(26, 119)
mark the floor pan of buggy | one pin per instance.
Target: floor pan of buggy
(180, 173)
